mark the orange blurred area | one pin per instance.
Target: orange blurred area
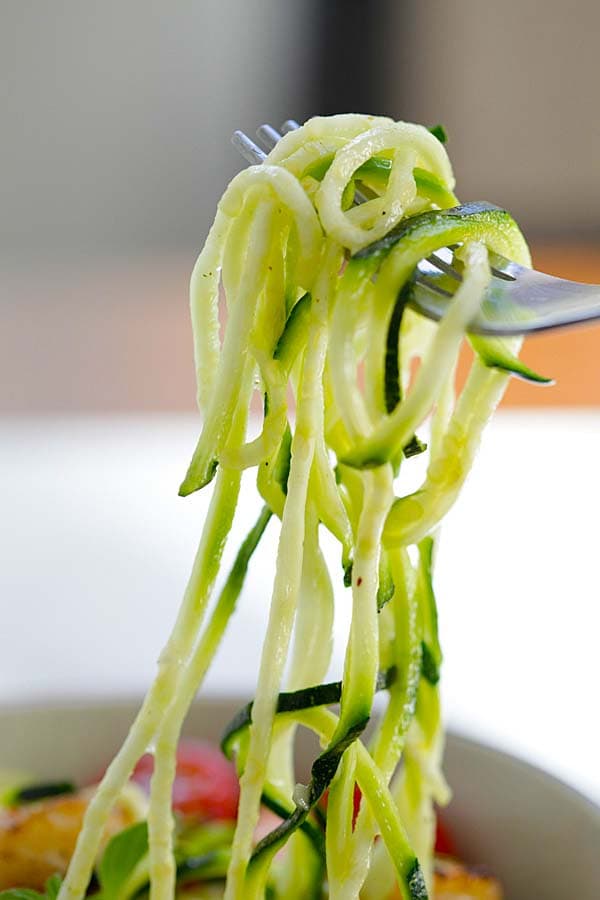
(571, 357)
(115, 336)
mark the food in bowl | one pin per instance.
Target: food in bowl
(314, 252)
(40, 823)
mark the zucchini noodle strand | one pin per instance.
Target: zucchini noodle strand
(165, 686)
(283, 608)
(313, 255)
(160, 820)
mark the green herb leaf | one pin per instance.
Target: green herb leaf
(198, 839)
(439, 132)
(20, 894)
(53, 886)
(207, 867)
(120, 858)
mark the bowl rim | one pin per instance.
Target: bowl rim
(457, 735)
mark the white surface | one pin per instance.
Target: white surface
(96, 546)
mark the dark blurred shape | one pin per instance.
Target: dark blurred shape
(348, 58)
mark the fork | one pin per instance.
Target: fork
(518, 300)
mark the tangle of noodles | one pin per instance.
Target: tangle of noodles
(317, 290)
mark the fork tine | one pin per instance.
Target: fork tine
(520, 302)
(268, 136)
(444, 266)
(505, 276)
(247, 148)
(289, 125)
(432, 286)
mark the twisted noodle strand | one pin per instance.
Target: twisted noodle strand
(286, 230)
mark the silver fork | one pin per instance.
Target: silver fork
(518, 300)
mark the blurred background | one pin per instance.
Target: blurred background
(116, 122)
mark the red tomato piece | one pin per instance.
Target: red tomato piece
(206, 783)
(444, 842)
(356, 802)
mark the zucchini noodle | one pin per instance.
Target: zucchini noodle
(318, 309)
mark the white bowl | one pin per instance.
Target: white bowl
(539, 836)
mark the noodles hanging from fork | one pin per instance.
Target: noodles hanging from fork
(306, 313)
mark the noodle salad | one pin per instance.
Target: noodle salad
(319, 323)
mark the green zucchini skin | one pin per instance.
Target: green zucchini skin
(399, 252)
(444, 223)
(294, 332)
(431, 660)
(374, 174)
(416, 883)
(326, 694)
(392, 385)
(32, 793)
(430, 669)
(414, 447)
(385, 590)
(313, 830)
(494, 354)
(323, 768)
(272, 475)
(196, 478)
(322, 773)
